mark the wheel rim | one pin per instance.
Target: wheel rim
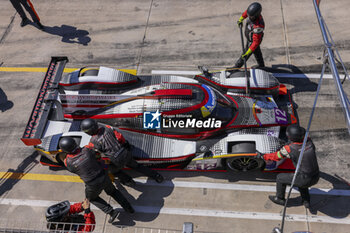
(243, 164)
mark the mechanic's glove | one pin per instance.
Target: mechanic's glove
(259, 155)
(86, 206)
(249, 51)
(240, 21)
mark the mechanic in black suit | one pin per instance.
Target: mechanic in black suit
(308, 174)
(17, 4)
(111, 143)
(83, 162)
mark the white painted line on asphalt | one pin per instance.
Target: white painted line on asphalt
(277, 75)
(239, 187)
(309, 76)
(175, 72)
(194, 212)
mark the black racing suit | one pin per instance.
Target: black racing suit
(112, 144)
(28, 6)
(308, 174)
(254, 33)
(83, 163)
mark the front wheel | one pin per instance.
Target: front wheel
(244, 163)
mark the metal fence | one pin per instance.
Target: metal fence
(13, 226)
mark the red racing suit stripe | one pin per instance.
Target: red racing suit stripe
(118, 135)
(278, 155)
(31, 6)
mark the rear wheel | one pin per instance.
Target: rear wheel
(244, 163)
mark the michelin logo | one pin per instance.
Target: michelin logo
(151, 120)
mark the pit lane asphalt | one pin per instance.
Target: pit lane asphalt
(147, 35)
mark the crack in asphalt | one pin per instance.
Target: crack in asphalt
(8, 29)
(144, 36)
(286, 44)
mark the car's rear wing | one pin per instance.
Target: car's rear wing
(44, 102)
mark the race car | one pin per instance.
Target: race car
(205, 122)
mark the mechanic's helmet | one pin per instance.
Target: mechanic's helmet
(295, 133)
(89, 126)
(57, 212)
(68, 145)
(254, 11)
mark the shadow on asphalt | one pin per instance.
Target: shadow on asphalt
(230, 176)
(331, 205)
(5, 104)
(300, 84)
(155, 197)
(69, 34)
(150, 195)
(13, 176)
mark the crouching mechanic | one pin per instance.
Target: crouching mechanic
(64, 216)
(308, 174)
(254, 32)
(83, 162)
(111, 143)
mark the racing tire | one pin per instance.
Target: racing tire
(244, 163)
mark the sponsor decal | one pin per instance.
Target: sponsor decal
(209, 123)
(72, 100)
(151, 120)
(207, 164)
(272, 133)
(266, 105)
(30, 130)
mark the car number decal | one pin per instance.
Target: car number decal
(281, 117)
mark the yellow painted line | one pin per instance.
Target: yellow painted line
(22, 69)
(68, 70)
(43, 70)
(41, 177)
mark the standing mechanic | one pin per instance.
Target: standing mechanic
(111, 143)
(64, 216)
(82, 161)
(254, 32)
(308, 174)
(30, 8)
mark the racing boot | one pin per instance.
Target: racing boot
(129, 209)
(24, 22)
(113, 214)
(128, 182)
(277, 200)
(306, 204)
(158, 178)
(40, 26)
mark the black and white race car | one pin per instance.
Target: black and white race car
(204, 122)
